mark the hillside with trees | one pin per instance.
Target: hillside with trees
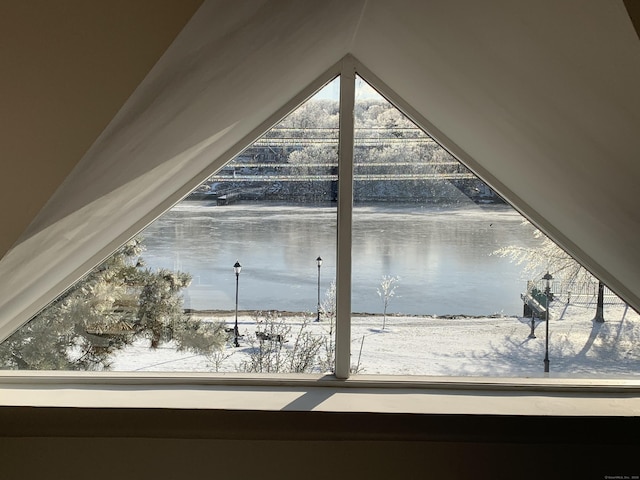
(393, 161)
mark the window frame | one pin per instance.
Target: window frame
(342, 391)
(294, 392)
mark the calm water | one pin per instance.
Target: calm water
(442, 256)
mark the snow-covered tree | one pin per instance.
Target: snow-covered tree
(313, 114)
(549, 257)
(113, 305)
(386, 292)
(313, 160)
(327, 357)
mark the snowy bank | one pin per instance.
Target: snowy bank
(428, 345)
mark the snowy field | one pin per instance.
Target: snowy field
(459, 346)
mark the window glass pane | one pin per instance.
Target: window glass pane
(442, 268)
(447, 279)
(248, 240)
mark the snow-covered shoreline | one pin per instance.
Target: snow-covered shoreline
(450, 345)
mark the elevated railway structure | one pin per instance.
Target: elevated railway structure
(297, 172)
(279, 177)
(279, 142)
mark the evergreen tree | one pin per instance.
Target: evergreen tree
(116, 303)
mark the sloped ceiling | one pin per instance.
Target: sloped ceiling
(67, 68)
(543, 96)
(538, 97)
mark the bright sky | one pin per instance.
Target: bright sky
(332, 91)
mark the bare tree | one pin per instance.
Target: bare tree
(386, 292)
(276, 347)
(327, 358)
(549, 257)
(217, 358)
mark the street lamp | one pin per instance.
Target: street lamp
(547, 293)
(319, 263)
(236, 268)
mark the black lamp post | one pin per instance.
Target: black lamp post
(547, 293)
(319, 263)
(236, 268)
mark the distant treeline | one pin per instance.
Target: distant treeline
(393, 161)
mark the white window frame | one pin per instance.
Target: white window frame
(339, 392)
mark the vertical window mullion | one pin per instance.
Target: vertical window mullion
(345, 205)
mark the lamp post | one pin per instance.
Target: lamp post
(319, 263)
(236, 268)
(547, 293)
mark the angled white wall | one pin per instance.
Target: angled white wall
(233, 66)
(540, 98)
(544, 98)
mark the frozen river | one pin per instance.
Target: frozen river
(442, 255)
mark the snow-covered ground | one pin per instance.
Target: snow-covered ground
(459, 346)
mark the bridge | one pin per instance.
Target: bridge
(279, 137)
(236, 172)
(330, 178)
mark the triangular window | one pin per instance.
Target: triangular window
(335, 244)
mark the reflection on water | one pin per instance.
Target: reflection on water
(442, 256)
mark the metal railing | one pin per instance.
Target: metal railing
(576, 293)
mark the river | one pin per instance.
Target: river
(442, 255)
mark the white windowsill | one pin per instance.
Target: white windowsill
(363, 393)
